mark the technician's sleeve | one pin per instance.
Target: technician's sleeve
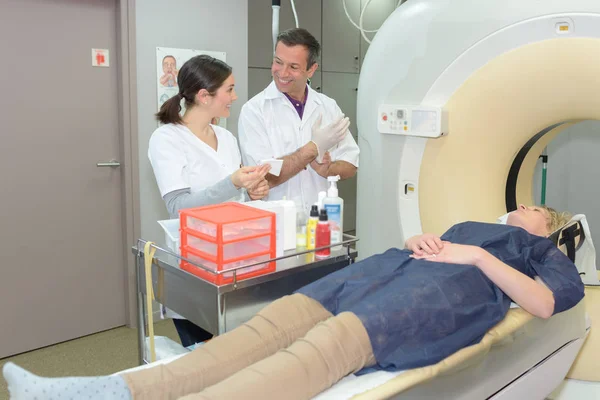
(560, 275)
(253, 136)
(169, 162)
(347, 150)
(215, 194)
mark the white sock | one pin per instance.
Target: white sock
(23, 385)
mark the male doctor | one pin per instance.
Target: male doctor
(291, 121)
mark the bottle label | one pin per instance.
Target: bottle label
(323, 239)
(336, 236)
(334, 214)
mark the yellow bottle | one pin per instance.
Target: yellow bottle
(311, 227)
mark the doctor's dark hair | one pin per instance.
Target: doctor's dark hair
(301, 37)
(200, 72)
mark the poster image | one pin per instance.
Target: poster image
(168, 62)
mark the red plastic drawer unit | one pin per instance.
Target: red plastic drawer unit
(226, 236)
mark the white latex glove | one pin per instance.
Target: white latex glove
(328, 136)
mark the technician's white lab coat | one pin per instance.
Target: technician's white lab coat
(180, 160)
(270, 127)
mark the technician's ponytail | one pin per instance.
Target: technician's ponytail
(169, 111)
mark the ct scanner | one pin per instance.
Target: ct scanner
(457, 99)
(499, 73)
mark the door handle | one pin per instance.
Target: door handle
(111, 163)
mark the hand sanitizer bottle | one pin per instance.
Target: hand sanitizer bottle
(335, 210)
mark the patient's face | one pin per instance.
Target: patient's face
(533, 219)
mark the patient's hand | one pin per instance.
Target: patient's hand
(453, 253)
(425, 244)
(259, 191)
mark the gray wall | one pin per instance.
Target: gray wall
(189, 24)
(573, 176)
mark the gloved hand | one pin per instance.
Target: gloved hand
(328, 136)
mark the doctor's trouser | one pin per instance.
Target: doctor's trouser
(293, 349)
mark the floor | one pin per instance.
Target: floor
(103, 353)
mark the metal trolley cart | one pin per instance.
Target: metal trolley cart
(218, 309)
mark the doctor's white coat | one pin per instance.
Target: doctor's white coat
(270, 127)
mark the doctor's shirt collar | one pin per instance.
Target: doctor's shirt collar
(271, 92)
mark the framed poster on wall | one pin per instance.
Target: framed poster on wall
(168, 62)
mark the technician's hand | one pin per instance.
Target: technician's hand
(259, 191)
(453, 253)
(248, 177)
(328, 136)
(425, 244)
(322, 168)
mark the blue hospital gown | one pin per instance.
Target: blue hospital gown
(418, 312)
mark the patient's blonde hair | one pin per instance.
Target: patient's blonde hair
(557, 219)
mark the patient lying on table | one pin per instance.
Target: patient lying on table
(397, 310)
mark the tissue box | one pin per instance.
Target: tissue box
(171, 228)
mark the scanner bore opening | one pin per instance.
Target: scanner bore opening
(513, 173)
